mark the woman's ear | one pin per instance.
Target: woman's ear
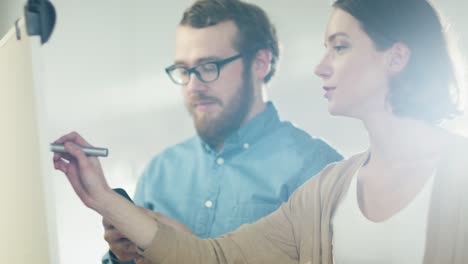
(261, 64)
(398, 57)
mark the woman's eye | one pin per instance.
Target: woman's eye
(340, 48)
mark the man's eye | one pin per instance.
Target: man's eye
(182, 71)
(208, 67)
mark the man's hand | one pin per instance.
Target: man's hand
(123, 249)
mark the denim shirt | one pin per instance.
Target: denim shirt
(213, 193)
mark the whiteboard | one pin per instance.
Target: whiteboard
(23, 225)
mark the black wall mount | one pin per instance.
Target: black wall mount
(40, 18)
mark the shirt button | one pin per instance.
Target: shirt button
(220, 161)
(246, 145)
(208, 204)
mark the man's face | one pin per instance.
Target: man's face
(219, 107)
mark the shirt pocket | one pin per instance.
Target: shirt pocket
(251, 212)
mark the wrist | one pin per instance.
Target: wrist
(104, 201)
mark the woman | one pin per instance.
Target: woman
(386, 64)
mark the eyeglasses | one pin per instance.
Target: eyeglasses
(205, 71)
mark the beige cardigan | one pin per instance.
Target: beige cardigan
(300, 230)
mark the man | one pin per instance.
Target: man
(244, 162)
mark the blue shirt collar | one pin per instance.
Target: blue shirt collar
(251, 132)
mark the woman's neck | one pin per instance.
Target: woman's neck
(400, 142)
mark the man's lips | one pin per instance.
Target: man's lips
(206, 104)
(203, 102)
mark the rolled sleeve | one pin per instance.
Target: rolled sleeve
(268, 241)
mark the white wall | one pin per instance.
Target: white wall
(10, 10)
(103, 76)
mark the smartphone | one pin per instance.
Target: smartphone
(124, 194)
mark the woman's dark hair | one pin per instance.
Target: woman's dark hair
(255, 29)
(427, 89)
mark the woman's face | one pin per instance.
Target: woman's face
(354, 73)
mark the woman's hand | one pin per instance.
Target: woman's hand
(83, 172)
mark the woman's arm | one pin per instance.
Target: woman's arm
(270, 240)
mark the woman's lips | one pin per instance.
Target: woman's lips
(328, 91)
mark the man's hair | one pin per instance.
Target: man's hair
(427, 89)
(256, 32)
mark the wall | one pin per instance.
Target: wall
(10, 11)
(104, 77)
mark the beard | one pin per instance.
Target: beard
(214, 129)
